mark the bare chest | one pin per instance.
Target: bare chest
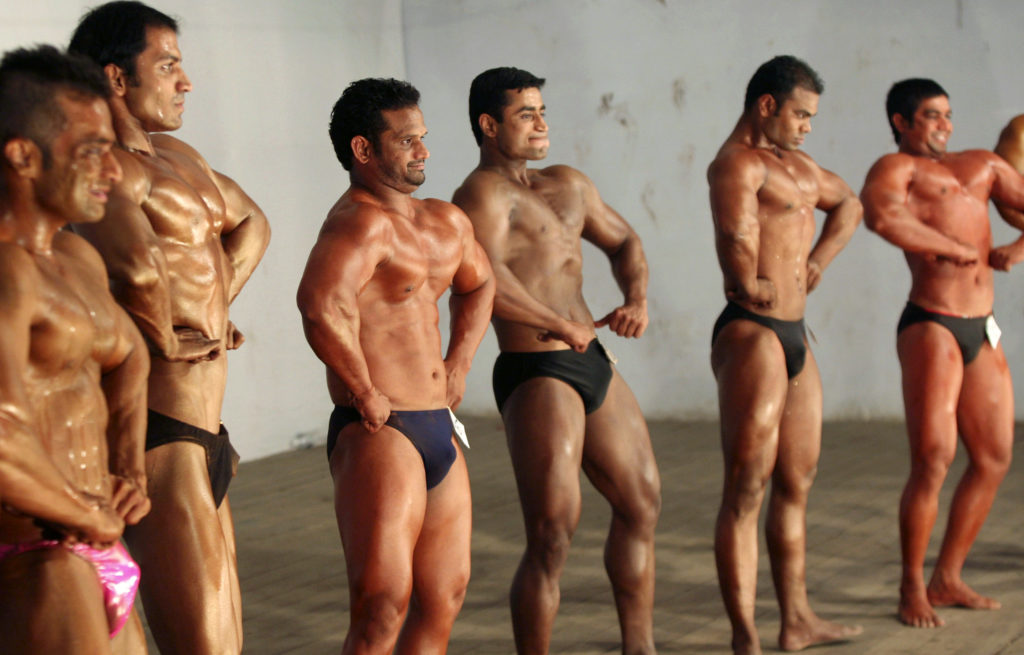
(425, 253)
(952, 197)
(546, 214)
(184, 203)
(72, 326)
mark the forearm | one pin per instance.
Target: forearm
(514, 303)
(737, 257)
(334, 338)
(244, 247)
(911, 235)
(126, 393)
(471, 313)
(629, 267)
(840, 224)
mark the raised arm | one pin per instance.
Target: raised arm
(843, 212)
(29, 481)
(470, 305)
(138, 269)
(340, 265)
(607, 230)
(1008, 195)
(734, 180)
(489, 209)
(886, 212)
(1011, 148)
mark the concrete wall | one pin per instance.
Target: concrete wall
(640, 95)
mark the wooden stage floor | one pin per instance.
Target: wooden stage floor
(295, 597)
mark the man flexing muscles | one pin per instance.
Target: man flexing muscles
(764, 191)
(368, 300)
(563, 404)
(72, 372)
(933, 204)
(179, 240)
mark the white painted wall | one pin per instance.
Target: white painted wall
(265, 75)
(640, 94)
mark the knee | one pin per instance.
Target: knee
(744, 493)
(994, 463)
(933, 463)
(645, 507)
(377, 618)
(548, 544)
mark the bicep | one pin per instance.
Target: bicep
(238, 206)
(886, 191)
(832, 190)
(603, 226)
(16, 301)
(339, 266)
(490, 220)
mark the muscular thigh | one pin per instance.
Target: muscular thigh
(932, 371)
(51, 602)
(380, 498)
(800, 427)
(617, 454)
(544, 424)
(750, 368)
(442, 555)
(985, 411)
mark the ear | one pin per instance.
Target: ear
(361, 149)
(766, 105)
(117, 79)
(24, 156)
(900, 123)
(488, 125)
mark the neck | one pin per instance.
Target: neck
(398, 200)
(749, 132)
(130, 133)
(28, 225)
(494, 160)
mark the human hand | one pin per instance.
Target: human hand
(1005, 257)
(191, 345)
(234, 337)
(129, 498)
(100, 526)
(577, 335)
(456, 384)
(764, 296)
(813, 274)
(629, 320)
(374, 407)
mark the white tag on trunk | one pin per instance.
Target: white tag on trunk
(460, 429)
(992, 330)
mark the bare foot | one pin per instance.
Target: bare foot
(917, 612)
(744, 646)
(958, 594)
(814, 632)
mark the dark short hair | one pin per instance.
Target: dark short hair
(30, 80)
(358, 112)
(906, 96)
(778, 77)
(115, 33)
(487, 93)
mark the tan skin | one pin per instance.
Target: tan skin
(72, 391)
(368, 299)
(531, 222)
(933, 204)
(180, 240)
(764, 192)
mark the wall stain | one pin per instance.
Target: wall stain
(645, 200)
(679, 93)
(686, 157)
(619, 112)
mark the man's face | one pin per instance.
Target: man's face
(929, 131)
(401, 156)
(156, 96)
(523, 132)
(791, 122)
(82, 167)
